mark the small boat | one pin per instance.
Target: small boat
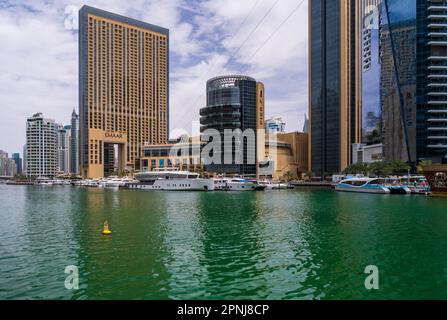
(240, 184)
(114, 182)
(362, 185)
(44, 181)
(417, 184)
(274, 185)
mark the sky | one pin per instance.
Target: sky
(264, 39)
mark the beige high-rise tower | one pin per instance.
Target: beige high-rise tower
(123, 91)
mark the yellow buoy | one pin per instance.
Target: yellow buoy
(106, 231)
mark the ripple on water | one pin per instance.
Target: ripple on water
(303, 244)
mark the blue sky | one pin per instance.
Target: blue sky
(39, 56)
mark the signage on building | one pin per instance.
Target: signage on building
(118, 137)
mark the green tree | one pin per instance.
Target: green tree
(357, 168)
(288, 175)
(398, 167)
(378, 169)
(422, 164)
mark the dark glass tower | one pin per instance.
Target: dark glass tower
(234, 102)
(431, 142)
(398, 79)
(335, 83)
(414, 80)
(372, 115)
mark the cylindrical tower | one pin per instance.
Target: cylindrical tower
(232, 104)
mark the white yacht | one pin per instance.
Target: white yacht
(372, 185)
(273, 185)
(221, 184)
(171, 181)
(115, 182)
(240, 184)
(44, 181)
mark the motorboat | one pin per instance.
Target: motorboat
(417, 184)
(373, 185)
(362, 185)
(170, 181)
(274, 185)
(240, 184)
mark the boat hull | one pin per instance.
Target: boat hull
(380, 190)
(173, 185)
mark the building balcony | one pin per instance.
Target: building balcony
(437, 17)
(437, 25)
(437, 8)
(437, 102)
(434, 85)
(437, 58)
(437, 146)
(437, 129)
(440, 67)
(441, 111)
(437, 43)
(437, 94)
(437, 120)
(437, 76)
(437, 34)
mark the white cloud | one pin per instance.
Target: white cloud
(39, 63)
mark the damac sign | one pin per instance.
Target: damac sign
(114, 135)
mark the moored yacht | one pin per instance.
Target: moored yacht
(240, 184)
(171, 181)
(362, 185)
(373, 185)
(274, 185)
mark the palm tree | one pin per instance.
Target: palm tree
(288, 176)
(398, 167)
(422, 164)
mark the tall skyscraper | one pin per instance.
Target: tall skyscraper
(398, 79)
(25, 147)
(431, 117)
(372, 115)
(41, 151)
(335, 51)
(123, 89)
(413, 74)
(18, 161)
(64, 148)
(235, 103)
(8, 167)
(74, 144)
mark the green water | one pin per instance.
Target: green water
(299, 244)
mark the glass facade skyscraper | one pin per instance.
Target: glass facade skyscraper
(432, 81)
(414, 79)
(234, 103)
(335, 83)
(398, 79)
(372, 115)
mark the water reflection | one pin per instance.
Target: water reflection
(305, 244)
(129, 264)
